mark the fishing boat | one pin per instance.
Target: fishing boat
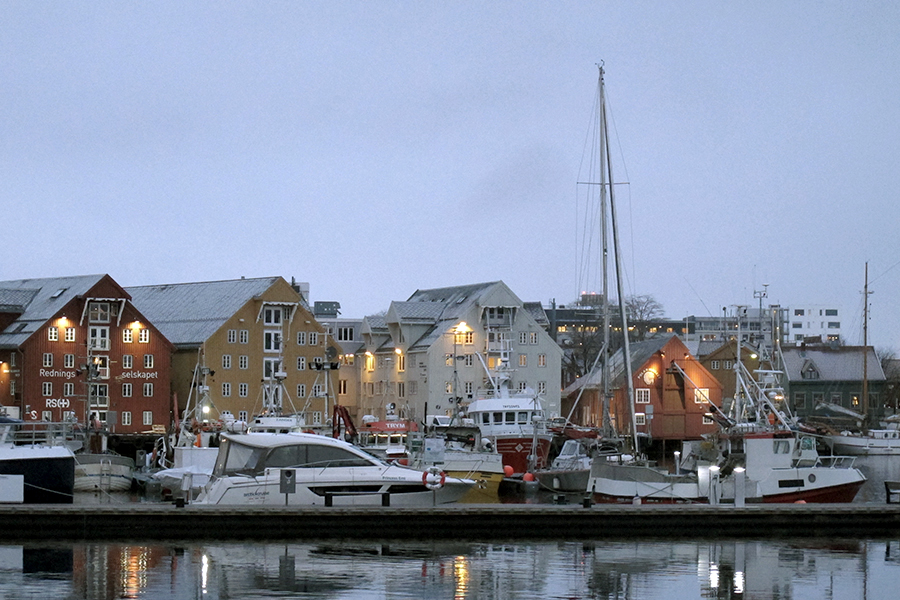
(103, 471)
(758, 455)
(301, 469)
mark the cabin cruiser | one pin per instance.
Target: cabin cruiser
(301, 469)
(35, 458)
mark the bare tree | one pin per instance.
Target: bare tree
(891, 366)
(643, 311)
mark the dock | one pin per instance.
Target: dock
(516, 522)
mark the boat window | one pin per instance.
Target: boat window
(331, 456)
(286, 456)
(238, 459)
(807, 443)
(511, 418)
(485, 419)
(523, 418)
(782, 447)
(498, 418)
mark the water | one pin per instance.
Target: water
(348, 570)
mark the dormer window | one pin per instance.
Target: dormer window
(99, 312)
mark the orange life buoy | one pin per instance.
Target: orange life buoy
(430, 478)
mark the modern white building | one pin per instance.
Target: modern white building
(813, 324)
(433, 353)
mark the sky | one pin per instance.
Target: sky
(375, 148)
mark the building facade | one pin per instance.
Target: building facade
(437, 351)
(77, 349)
(244, 347)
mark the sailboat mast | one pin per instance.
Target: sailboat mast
(626, 349)
(865, 373)
(604, 180)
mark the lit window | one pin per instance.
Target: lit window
(542, 360)
(701, 395)
(127, 335)
(523, 360)
(640, 419)
(144, 336)
(70, 334)
(642, 396)
(53, 334)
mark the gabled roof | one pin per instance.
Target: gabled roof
(640, 354)
(844, 363)
(36, 301)
(188, 314)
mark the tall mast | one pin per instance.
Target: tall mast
(607, 425)
(865, 373)
(626, 349)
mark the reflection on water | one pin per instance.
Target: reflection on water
(607, 569)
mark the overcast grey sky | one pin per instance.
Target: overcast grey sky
(374, 148)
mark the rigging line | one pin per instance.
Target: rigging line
(889, 269)
(708, 312)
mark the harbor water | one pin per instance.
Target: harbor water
(619, 569)
(757, 567)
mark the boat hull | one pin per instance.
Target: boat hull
(49, 472)
(516, 452)
(564, 480)
(853, 445)
(108, 472)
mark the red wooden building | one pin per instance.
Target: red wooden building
(672, 393)
(75, 348)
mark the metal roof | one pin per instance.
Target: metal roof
(843, 363)
(37, 301)
(188, 314)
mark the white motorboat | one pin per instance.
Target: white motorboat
(870, 442)
(300, 469)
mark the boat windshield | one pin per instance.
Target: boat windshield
(239, 459)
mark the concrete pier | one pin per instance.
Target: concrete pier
(151, 522)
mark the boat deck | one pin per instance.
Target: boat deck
(147, 522)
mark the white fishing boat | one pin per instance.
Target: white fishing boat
(758, 455)
(459, 451)
(877, 442)
(300, 469)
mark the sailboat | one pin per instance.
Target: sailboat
(868, 441)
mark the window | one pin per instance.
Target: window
(226, 361)
(714, 365)
(401, 362)
(48, 359)
(144, 336)
(370, 362)
(317, 390)
(99, 338)
(413, 388)
(640, 419)
(701, 395)
(53, 334)
(708, 420)
(126, 418)
(271, 366)
(523, 337)
(148, 361)
(47, 388)
(345, 334)
(243, 362)
(148, 391)
(272, 315)
(837, 397)
(301, 363)
(232, 336)
(244, 336)
(798, 312)
(98, 312)
(100, 394)
(127, 335)
(831, 312)
(242, 415)
(313, 338)
(301, 338)
(834, 324)
(523, 360)
(243, 390)
(70, 334)
(533, 338)
(68, 389)
(642, 396)
(469, 388)
(799, 399)
(523, 385)
(148, 417)
(272, 341)
(226, 390)
(542, 360)
(448, 387)
(469, 360)
(401, 389)
(47, 415)
(126, 390)
(542, 387)
(301, 390)
(448, 360)
(342, 387)
(728, 364)
(127, 361)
